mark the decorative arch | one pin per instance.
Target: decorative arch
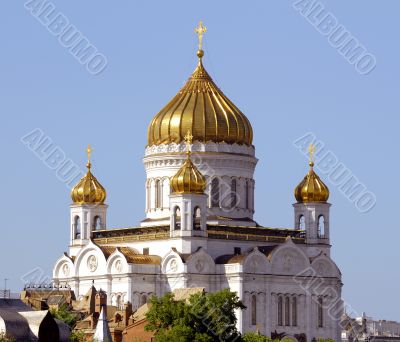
(81, 261)
(256, 262)
(59, 268)
(200, 262)
(301, 221)
(289, 259)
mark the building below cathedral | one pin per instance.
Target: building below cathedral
(199, 229)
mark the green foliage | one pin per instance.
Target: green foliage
(77, 336)
(254, 337)
(325, 340)
(205, 318)
(65, 315)
(6, 337)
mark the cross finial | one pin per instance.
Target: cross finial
(200, 30)
(311, 151)
(189, 139)
(89, 154)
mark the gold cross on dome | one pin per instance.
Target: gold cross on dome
(89, 152)
(189, 139)
(200, 30)
(311, 151)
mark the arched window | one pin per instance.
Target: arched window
(77, 227)
(253, 310)
(143, 300)
(280, 311)
(158, 188)
(287, 311)
(196, 219)
(321, 226)
(118, 301)
(320, 313)
(177, 218)
(97, 223)
(294, 311)
(302, 222)
(215, 193)
(233, 193)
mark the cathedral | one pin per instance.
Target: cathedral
(199, 231)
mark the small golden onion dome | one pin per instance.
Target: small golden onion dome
(88, 190)
(188, 179)
(201, 107)
(311, 188)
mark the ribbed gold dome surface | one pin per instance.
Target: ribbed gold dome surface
(311, 188)
(188, 179)
(201, 107)
(88, 190)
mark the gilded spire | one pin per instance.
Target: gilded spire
(311, 151)
(88, 190)
(200, 30)
(89, 154)
(311, 188)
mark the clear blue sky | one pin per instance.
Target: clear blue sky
(266, 57)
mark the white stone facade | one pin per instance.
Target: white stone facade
(286, 278)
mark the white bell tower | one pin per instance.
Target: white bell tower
(88, 211)
(311, 212)
(188, 202)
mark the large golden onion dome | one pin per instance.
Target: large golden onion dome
(188, 179)
(311, 188)
(201, 107)
(88, 190)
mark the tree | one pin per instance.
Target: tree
(254, 337)
(204, 318)
(65, 315)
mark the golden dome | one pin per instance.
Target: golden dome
(201, 107)
(188, 179)
(311, 188)
(88, 190)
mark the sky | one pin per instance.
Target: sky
(268, 58)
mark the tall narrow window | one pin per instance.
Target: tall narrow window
(196, 219)
(158, 189)
(320, 313)
(253, 310)
(177, 218)
(247, 194)
(280, 311)
(77, 227)
(287, 311)
(215, 193)
(148, 195)
(233, 193)
(321, 226)
(97, 223)
(302, 222)
(294, 311)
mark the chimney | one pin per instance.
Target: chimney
(127, 312)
